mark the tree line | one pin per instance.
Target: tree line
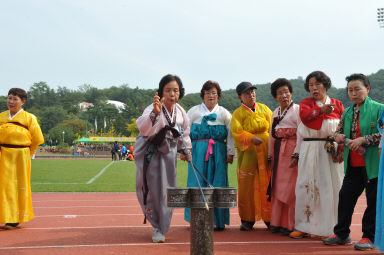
(61, 119)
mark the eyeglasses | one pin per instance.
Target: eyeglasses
(250, 92)
(211, 93)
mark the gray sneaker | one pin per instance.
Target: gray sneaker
(157, 236)
(335, 240)
(364, 244)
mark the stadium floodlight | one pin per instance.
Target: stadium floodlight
(380, 17)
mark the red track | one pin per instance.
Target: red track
(111, 223)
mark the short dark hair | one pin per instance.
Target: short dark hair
(18, 92)
(320, 77)
(210, 85)
(280, 83)
(358, 77)
(167, 79)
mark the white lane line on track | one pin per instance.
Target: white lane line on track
(58, 183)
(97, 227)
(149, 244)
(110, 227)
(87, 200)
(85, 206)
(100, 173)
(96, 215)
(109, 214)
(109, 206)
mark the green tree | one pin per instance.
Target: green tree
(3, 103)
(61, 132)
(41, 95)
(50, 117)
(132, 128)
(78, 126)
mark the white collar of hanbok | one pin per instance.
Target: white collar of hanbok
(327, 101)
(11, 117)
(207, 111)
(173, 112)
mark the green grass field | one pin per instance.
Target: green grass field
(79, 175)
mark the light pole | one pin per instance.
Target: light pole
(380, 17)
(63, 136)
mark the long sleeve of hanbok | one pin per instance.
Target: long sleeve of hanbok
(185, 125)
(243, 138)
(271, 140)
(36, 134)
(299, 138)
(230, 141)
(148, 123)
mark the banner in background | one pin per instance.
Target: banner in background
(112, 139)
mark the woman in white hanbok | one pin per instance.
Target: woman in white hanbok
(319, 176)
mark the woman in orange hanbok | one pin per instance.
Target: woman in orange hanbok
(20, 135)
(250, 129)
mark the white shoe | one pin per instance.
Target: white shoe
(157, 236)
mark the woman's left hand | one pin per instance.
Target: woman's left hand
(256, 140)
(338, 157)
(356, 143)
(229, 159)
(327, 108)
(184, 157)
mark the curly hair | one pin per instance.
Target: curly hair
(18, 92)
(280, 83)
(320, 77)
(210, 85)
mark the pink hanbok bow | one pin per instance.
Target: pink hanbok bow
(209, 149)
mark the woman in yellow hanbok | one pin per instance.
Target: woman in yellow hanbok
(250, 129)
(20, 135)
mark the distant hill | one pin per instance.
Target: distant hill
(263, 94)
(58, 110)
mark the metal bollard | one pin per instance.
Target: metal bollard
(201, 218)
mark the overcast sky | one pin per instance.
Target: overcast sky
(113, 42)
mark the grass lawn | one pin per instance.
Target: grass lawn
(80, 175)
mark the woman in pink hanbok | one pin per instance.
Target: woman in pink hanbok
(282, 143)
(156, 151)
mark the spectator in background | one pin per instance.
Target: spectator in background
(113, 153)
(131, 150)
(123, 151)
(115, 150)
(120, 153)
(131, 153)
